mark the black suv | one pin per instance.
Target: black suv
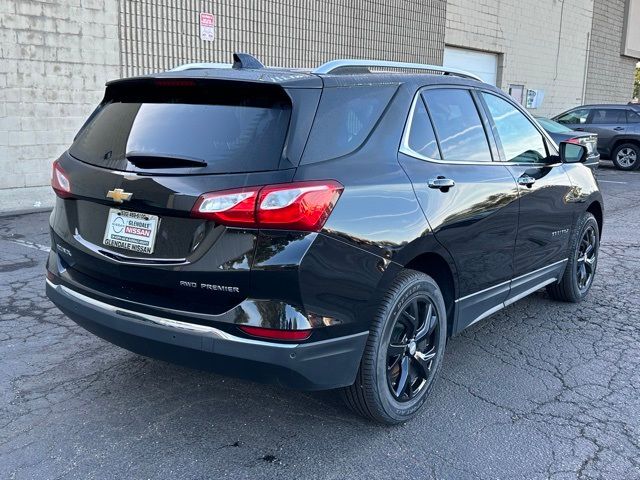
(618, 129)
(318, 230)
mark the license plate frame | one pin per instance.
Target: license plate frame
(132, 231)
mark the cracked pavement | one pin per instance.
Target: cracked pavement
(538, 390)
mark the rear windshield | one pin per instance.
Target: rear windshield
(551, 126)
(230, 136)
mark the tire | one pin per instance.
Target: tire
(626, 156)
(378, 392)
(572, 286)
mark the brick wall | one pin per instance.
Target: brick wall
(610, 75)
(160, 34)
(54, 60)
(535, 51)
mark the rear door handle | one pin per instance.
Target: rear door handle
(526, 181)
(441, 183)
(579, 129)
(618, 129)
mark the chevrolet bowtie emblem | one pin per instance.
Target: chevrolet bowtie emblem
(118, 195)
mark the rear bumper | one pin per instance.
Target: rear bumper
(318, 365)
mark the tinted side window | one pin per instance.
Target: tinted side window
(574, 117)
(608, 116)
(345, 118)
(457, 124)
(521, 141)
(422, 139)
(633, 117)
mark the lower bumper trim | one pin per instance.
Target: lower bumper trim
(318, 365)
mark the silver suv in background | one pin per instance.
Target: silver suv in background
(617, 127)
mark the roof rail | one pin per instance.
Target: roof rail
(195, 66)
(334, 65)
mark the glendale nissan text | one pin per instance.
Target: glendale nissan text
(315, 229)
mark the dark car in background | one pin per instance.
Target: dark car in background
(315, 229)
(617, 127)
(560, 133)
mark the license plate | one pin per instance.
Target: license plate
(131, 231)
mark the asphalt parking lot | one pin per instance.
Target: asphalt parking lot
(539, 390)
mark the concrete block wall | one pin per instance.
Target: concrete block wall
(160, 34)
(55, 56)
(611, 75)
(536, 49)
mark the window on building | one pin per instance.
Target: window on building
(608, 116)
(574, 117)
(422, 138)
(521, 141)
(517, 93)
(457, 124)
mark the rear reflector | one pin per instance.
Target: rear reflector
(292, 206)
(275, 334)
(59, 181)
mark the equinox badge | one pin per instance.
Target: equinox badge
(118, 195)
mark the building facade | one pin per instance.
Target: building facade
(568, 52)
(609, 76)
(56, 56)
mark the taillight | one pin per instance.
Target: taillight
(298, 206)
(230, 207)
(292, 206)
(275, 334)
(577, 140)
(60, 181)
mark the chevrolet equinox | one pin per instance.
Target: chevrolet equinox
(315, 229)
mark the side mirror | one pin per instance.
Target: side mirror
(572, 153)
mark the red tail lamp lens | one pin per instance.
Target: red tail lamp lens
(60, 181)
(292, 206)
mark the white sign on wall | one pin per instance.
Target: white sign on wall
(534, 98)
(207, 27)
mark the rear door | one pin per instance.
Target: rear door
(608, 123)
(470, 201)
(137, 168)
(546, 218)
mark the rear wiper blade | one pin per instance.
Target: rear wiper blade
(159, 160)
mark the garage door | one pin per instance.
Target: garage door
(483, 64)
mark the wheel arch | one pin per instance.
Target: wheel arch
(438, 268)
(621, 140)
(595, 209)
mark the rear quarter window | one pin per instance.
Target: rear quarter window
(345, 118)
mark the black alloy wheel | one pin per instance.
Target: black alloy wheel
(404, 351)
(412, 348)
(581, 264)
(586, 257)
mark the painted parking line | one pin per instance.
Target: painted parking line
(612, 181)
(28, 244)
